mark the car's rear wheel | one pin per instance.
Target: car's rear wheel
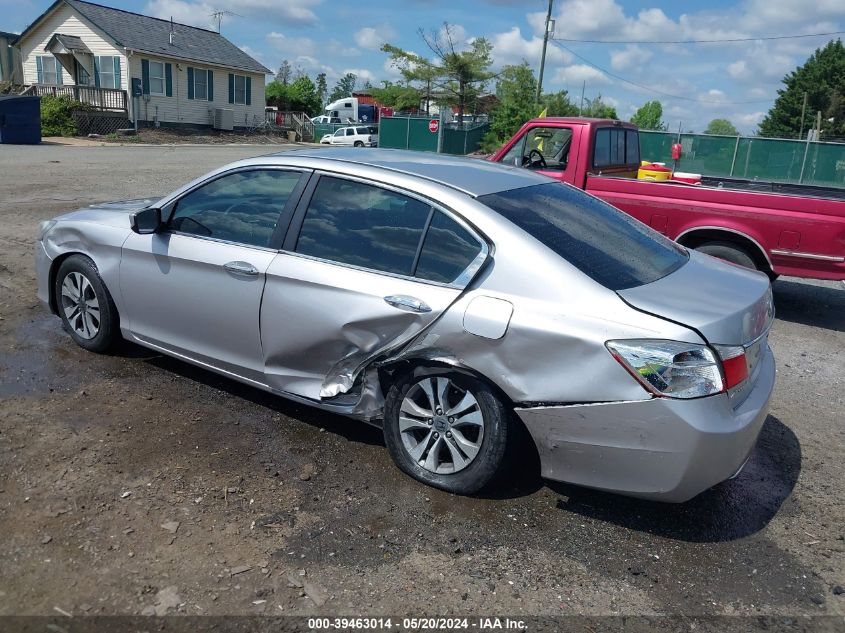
(85, 306)
(359, 144)
(728, 252)
(446, 429)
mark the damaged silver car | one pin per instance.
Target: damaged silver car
(447, 300)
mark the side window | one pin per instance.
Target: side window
(243, 207)
(551, 144)
(447, 251)
(363, 225)
(350, 131)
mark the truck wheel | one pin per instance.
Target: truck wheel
(728, 252)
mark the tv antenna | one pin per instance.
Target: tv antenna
(218, 15)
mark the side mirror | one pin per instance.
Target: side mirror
(146, 221)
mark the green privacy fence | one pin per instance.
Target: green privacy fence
(407, 133)
(754, 158)
(465, 141)
(321, 129)
(414, 133)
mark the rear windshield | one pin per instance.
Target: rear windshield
(612, 248)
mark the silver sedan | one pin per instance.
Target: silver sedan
(449, 301)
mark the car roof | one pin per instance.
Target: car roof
(474, 176)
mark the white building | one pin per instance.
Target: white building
(183, 73)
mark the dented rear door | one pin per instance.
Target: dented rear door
(365, 269)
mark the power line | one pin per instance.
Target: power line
(718, 41)
(649, 88)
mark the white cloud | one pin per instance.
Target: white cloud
(750, 120)
(511, 48)
(576, 74)
(290, 13)
(630, 57)
(372, 39)
(362, 74)
(295, 46)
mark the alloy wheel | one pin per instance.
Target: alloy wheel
(80, 305)
(441, 425)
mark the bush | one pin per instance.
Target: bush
(57, 115)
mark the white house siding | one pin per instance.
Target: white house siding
(179, 109)
(64, 20)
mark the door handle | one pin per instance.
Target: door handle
(241, 268)
(410, 304)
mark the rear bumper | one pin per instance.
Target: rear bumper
(42, 274)
(662, 449)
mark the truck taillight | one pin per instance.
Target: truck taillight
(734, 365)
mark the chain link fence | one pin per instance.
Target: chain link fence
(754, 158)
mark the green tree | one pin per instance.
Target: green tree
(322, 88)
(458, 74)
(558, 104)
(598, 109)
(515, 92)
(396, 95)
(283, 75)
(299, 96)
(822, 78)
(649, 116)
(344, 88)
(721, 126)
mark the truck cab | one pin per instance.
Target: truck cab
(556, 146)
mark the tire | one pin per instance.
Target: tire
(460, 454)
(359, 144)
(729, 252)
(90, 317)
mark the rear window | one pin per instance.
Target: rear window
(610, 247)
(616, 146)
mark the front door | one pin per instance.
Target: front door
(194, 289)
(364, 270)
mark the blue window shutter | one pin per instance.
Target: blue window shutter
(39, 69)
(210, 86)
(116, 72)
(145, 76)
(249, 90)
(190, 83)
(231, 88)
(97, 72)
(59, 78)
(168, 80)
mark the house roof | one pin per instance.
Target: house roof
(146, 34)
(70, 42)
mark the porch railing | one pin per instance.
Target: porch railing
(296, 121)
(99, 98)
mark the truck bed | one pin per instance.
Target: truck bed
(766, 186)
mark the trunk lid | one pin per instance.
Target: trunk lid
(726, 304)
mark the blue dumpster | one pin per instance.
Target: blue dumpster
(20, 119)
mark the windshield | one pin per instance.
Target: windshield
(610, 247)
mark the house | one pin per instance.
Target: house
(157, 71)
(10, 59)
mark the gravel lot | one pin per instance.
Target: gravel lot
(135, 483)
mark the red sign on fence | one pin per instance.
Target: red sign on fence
(433, 126)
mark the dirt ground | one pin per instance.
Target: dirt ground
(134, 483)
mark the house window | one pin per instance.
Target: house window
(105, 71)
(49, 70)
(240, 89)
(157, 78)
(201, 84)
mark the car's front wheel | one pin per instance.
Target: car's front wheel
(359, 144)
(85, 305)
(446, 429)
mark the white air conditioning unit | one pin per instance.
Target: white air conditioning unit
(224, 119)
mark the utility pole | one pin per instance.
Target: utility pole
(581, 107)
(550, 25)
(803, 110)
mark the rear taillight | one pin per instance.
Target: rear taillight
(670, 368)
(734, 365)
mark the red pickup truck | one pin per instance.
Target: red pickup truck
(781, 229)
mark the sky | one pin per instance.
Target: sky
(695, 82)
